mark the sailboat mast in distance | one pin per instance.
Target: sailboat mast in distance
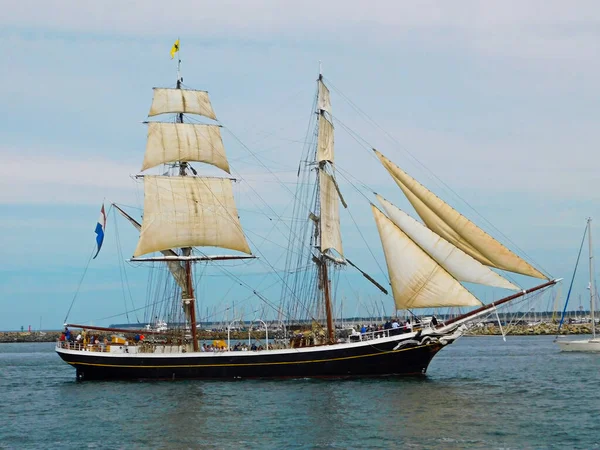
(593, 344)
(592, 291)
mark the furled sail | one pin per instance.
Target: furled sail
(325, 140)
(187, 212)
(324, 103)
(460, 265)
(188, 101)
(456, 228)
(170, 142)
(417, 280)
(331, 237)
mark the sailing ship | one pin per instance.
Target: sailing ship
(426, 262)
(593, 344)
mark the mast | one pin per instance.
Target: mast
(183, 211)
(324, 261)
(591, 251)
(327, 226)
(188, 300)
(328, 308)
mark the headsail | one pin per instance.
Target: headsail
(460, 265)
(331, 237)
(187, 212)
(181, 101)
(171, 142)
(456, 228)
(417, 280)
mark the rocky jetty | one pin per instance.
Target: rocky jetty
(24, 336)
(52, 336)
(486, 330)
(531, 330)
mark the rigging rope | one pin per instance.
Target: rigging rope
(80, 281)
(422, 165)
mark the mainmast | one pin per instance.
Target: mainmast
(327, 228)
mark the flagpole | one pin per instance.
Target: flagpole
(179, 80)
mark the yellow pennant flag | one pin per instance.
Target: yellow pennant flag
(175, 48)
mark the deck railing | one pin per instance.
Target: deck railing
(67, 345)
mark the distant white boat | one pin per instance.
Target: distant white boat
(583, 345)
(593, 344)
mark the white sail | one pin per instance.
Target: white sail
(187, 212)
(460, 265)
(325, 140)
(324, 102)
(170, 142)
(331, 237)
(417, 280)
(181, 101)
(456, 228)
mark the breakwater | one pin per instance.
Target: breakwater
(53, 336)
(531, 330)
(487, 330)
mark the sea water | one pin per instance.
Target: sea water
(480, 393)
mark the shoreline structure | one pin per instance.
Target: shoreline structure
(542, 329)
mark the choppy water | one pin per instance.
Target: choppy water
(480, 393)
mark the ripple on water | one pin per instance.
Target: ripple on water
(480, 393)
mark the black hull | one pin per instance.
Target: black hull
(377, 358)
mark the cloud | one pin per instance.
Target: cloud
(550, 29)
(36, 176)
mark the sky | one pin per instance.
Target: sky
(492, 105)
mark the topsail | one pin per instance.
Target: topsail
(171, 142)
(181, 101)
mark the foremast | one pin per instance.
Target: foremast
(329, 251)
(186, 210)
(187, 295)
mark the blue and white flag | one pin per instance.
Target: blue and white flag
(100, 227)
